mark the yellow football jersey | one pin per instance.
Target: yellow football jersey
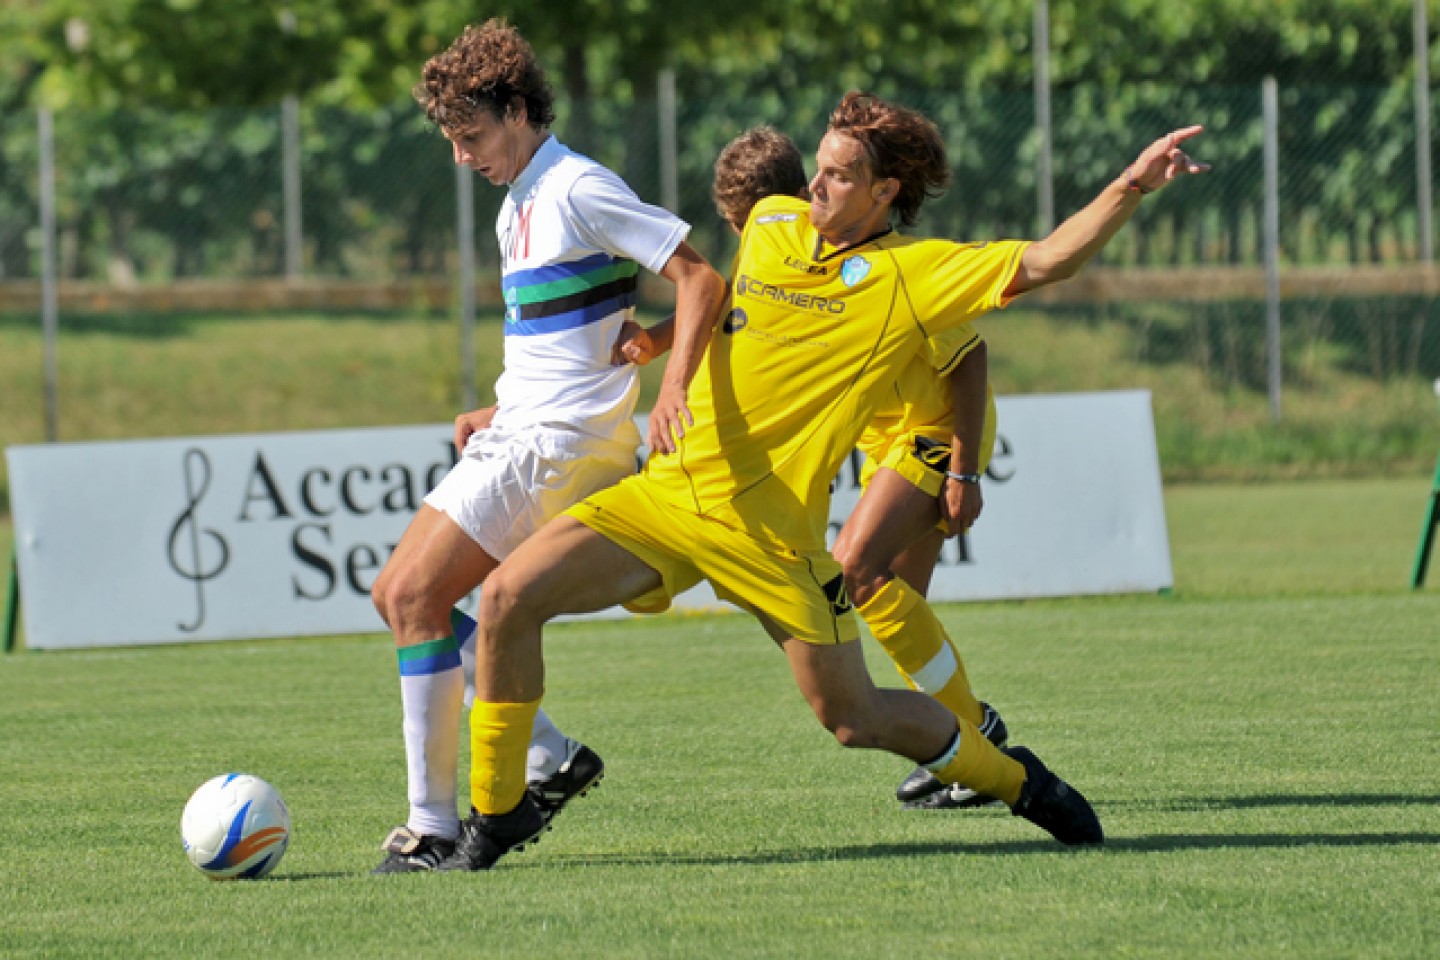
(919, 400)
(812, 343)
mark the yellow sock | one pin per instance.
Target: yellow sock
(979, 765)
(908, 629)
(499, 740)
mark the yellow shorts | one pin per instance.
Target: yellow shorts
(920, 458)
(922, 455)
(802, 592)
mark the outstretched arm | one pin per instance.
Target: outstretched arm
(699, 292)
(1061, 255)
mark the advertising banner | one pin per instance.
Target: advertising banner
(209, 538)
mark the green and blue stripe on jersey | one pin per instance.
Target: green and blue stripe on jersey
(564, 296)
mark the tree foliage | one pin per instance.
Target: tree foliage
(168, 99)
(191, 53)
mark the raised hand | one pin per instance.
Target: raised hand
(1163, 161)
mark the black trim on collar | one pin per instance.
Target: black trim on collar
(820, 242)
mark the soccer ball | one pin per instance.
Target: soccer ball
(235, 827)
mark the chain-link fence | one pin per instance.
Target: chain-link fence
(147, 200)
(148, 197)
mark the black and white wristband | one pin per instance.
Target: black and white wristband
(963, 477)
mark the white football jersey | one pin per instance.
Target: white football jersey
(571, 235)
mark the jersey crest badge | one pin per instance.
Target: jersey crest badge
(854, 270)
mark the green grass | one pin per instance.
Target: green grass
(1260, 745)
(1335, 422)
(1295, 539)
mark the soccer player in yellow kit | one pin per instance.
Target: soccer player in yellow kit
(925, 451)
(828, 305)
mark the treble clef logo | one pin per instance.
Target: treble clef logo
(187, 528)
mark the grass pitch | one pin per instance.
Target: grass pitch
(1260, 746)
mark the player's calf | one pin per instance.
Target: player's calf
(923, 790)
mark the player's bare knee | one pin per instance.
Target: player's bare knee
(379, 595)
(507, 602)
(403, 600)
(861, 585)
(854, 736)
(848, 726)
(864, 573)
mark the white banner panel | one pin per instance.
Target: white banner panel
(208, 538)
(204, 538)
(1073, 504)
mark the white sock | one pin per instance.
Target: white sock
(432, 693)
(464, 627)
(548, 749)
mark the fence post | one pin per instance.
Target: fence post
(465, 230)
(669, 146)
(290, 163)
(1270, 101)
(1423, 201)
(1044, 168)
(50, 280)
(290, 176)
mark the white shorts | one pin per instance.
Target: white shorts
(508, 484)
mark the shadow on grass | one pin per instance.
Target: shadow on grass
(874, 851)
(1165, 842)
(1154, 843)
(1282, 800)
(1157, 843)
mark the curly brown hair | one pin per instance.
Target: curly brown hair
(759, 163)
(899, 143)
(489, 67)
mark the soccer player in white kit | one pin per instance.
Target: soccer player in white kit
(572, 239)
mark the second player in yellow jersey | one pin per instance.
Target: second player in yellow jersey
(813, 339)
